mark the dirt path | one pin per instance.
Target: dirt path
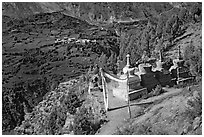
(118, 113)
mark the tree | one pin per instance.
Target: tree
(172, 28)
(134, 56)
(146, 38)
(160, 26)
(102, 61)
(111, 59)
(183, 16)
(193, 58)
(124, 38)
(160, 47)
(196, 11)
(189, 50)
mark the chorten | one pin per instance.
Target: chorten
(159, 63)
(127, 67)
(178, 62)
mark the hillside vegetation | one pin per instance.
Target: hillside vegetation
(66, 110)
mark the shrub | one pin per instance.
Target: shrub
(145, 128)
(89, 117)
(194, 105)
(193, 58)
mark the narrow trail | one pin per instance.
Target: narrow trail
(117, 115)
(118, 112)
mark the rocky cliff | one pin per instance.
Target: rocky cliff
(90, 11)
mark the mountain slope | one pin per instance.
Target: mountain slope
(177, 114)
(93, 12)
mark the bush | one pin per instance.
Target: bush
(193, 58)
(88, 118)
(194, 105)
(145, 128)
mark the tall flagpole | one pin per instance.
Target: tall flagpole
(128, 64)
(104, 91)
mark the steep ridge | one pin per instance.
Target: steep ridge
(91, 12)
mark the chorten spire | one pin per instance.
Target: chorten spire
(128, 60)
(127, 67)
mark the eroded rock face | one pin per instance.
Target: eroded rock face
(92, 12)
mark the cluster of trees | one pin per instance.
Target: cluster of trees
(20, 98)
(66, 110)
(137, 40)
(158, 34)
(193, 58)
(155, 35)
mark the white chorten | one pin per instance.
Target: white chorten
(127, 67)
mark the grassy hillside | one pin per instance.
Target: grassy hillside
(179, 114)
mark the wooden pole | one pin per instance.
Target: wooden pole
(106, 94)
(129, 110)
(128, 65)
(104, 91)
(178, 78)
